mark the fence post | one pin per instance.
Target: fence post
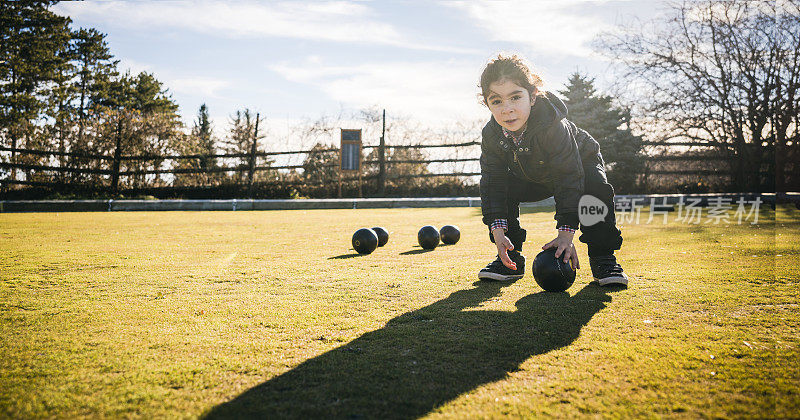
(117, 155)
(382, 160)
(251, 173)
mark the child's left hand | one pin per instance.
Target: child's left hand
(565, 247)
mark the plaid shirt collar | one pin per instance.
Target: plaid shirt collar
(511, 136)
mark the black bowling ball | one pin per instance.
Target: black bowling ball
(365, 241)
(450, 234)
(551, 273)
(428, 237)
(383, 235)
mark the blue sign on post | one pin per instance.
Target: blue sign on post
(350, 151)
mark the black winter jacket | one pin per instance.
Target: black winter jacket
(552, 152)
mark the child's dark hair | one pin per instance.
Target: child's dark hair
(513, 68)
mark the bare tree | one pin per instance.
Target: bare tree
(723, 72)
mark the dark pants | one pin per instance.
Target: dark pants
(602, 238)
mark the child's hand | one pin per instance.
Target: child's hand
(565, 247)
(503, 246)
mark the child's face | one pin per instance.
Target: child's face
(510, 104)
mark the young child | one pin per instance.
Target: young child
(529, 152)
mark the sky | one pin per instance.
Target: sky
(295, 60)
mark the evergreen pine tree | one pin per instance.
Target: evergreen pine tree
(96, 67)
(61, 105)
(142, 93)
(32, 44)
(203, 136)
(608, 124)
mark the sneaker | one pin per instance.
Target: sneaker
(607, 271)
(496, 270)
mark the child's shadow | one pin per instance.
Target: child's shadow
(422, 359)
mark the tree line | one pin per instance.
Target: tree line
(720, 77)
(61, 89)
(724, 73)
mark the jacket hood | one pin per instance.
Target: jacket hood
(546, 111)
(558, 106)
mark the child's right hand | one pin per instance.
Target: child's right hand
(503, 246)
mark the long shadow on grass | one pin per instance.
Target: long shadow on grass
(344, 256)
(422, 359)
(419, 250)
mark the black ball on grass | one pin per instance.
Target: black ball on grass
(551, 273)
(428, 237)
(383, 235)
(450, 234)
(365, 241)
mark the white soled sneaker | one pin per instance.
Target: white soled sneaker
(497, 271)
(607, 271)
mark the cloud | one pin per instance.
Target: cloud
(204, 86)
(338, 21)
(133, 66)
(428, 90)
(544, 26)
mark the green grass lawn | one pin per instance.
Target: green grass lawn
(224, 314)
